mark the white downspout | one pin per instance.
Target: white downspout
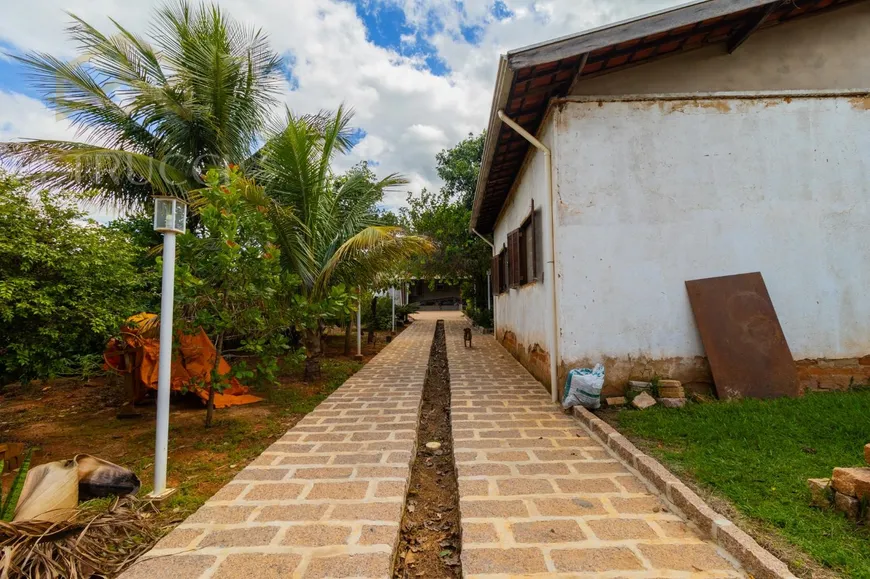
(554, 304)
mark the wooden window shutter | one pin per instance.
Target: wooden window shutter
(522, 258)
(533, 239)
(495, 281)
(514, 258)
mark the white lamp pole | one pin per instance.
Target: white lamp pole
(359, 323)
(393, 293)
(170, 217)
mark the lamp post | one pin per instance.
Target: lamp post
(393, 294)
(170, 218)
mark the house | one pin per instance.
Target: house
(719, 137)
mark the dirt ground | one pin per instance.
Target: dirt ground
(64, 417)
(430, 541)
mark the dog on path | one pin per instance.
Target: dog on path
(467, 338)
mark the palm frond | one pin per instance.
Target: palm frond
(369, 252)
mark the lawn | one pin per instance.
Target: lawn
(759, 454)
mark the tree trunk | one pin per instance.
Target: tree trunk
(374, 323)
(209, 407)
(313, 351)
(347, 336)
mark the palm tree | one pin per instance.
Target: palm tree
(328, 228)
(153, 116)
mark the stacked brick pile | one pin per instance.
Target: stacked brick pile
(848, 490)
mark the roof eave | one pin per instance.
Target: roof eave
(499, 100)
(626, 30)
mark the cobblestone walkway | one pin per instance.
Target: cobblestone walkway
(323, 501)
(540, 497)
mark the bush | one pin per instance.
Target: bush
(67, 284)
(479, 316)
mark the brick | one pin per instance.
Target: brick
(492, 508)
(569, 507)
(257, 474)
(867, 453)
(305, 459)
(683, 557)
(598, 467)
(595, 560)
(820, 492)
(259, 565)
(756, 560)
(616, 401)
(179, 538)
(240, 537)
(694, 508)
(338, 491)
(850, 506)
(676, 529)
(360, 565)
(473, 487)
(660, 477)
(551, 468)
(316, 535)
(321, 473)
(643, 401)
(292, 513)
(229, 492)
(556, 531)
(524, 486)
(503, 561)
(379, 535)
(479, 533)
(508, 456)
(852, 482)
(638, 505)
(273, 492)
(388, 512)
(220, 515)
(622, 529)
(188, 566)
(484, 469)
(586, 485)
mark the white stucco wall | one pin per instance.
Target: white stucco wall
(651, 194)
(523, 310)
(824, 52)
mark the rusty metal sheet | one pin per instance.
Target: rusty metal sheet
(747, 351)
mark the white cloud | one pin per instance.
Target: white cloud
(407, 112)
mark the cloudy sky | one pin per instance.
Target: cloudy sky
(419, 73)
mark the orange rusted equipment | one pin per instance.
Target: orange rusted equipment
(137, 351)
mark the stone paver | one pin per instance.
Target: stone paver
(323, 501)
(540, 497)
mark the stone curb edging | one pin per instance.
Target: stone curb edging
(755, 559)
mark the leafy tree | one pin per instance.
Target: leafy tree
(230, 282)
(66, 285)
(459, 168)
(154, 115)
(328, 228)
(459, 256)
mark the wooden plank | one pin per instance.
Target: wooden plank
(742, 36)
(744, 342)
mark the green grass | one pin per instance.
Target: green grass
(759, 454)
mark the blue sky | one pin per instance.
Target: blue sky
(418, 73)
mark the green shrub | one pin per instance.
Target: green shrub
(67, 284)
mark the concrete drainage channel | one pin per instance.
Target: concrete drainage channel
(430, 541)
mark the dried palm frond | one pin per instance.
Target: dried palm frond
(90, 542)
